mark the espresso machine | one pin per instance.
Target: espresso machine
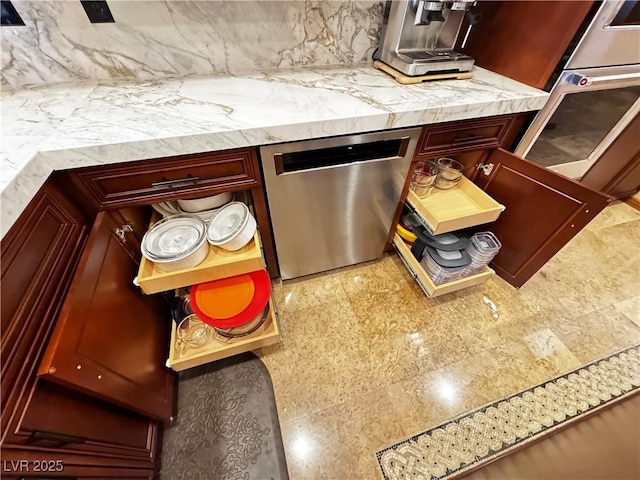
(418, 37)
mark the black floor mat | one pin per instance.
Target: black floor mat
(227, 425)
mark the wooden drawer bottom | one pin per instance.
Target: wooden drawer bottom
(465, 205)
(425, 282)
(267, 334)
(219, 263)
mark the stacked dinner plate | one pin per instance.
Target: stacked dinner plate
(205, 208)
(233, 306)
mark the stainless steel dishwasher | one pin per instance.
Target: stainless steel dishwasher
(332, 200)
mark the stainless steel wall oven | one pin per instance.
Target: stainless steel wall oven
(595, 97)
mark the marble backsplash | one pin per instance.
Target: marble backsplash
(160, 39)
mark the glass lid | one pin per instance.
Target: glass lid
(228, 222)
(174, 237)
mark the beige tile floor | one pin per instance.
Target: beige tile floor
(368, 360)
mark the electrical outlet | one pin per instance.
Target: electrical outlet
(98, 12)
(8, 14)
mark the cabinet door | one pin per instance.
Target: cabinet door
(58, 418)
(110, 340)
(617, 171)
(628, 182)
(38, 256)
(544, 210)
(508, 38)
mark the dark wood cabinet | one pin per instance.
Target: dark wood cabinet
(38, 256)
(478, 136)
(96, 426)
(83, 351)
(40, 420)
(544, 210)
(101, 392)
(108, 332)
(455, 137)
(531, 41)
(524, 40)
(617, 171)
(132, 184)
(155, 180)
(57, 423)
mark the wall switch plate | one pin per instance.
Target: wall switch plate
(8, 14)
(98, 12)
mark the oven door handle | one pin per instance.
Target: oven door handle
(583, 80)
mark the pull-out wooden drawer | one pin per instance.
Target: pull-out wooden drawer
(219, 263)
(425, 282)
(462, 206)
(456, 137)
(150, 181)
(267, 334)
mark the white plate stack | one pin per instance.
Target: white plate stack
(205, 207)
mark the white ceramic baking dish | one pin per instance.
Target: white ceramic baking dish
(232, 227)
(176, 242)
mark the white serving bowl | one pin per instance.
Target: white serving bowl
(196, 205)
(176, 243)
(193, 259)
(232, 227)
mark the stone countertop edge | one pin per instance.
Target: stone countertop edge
(69, 126)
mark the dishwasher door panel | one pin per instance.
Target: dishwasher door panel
(340, 214)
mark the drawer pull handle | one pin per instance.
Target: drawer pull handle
(176, 183)
(52, 440)
(471, 138)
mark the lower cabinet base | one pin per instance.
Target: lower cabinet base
(425, 282)
(267, 334)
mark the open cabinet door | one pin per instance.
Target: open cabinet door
(544, 210)
(110, 340)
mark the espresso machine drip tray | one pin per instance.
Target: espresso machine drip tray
(439, 74)
(433, 56)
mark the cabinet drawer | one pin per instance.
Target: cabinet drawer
(462, 206)
(449, 138)
(150, 181)
(425, 282)
(267, 334)
(219, 263)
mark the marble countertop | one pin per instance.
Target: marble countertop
(68, 126)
